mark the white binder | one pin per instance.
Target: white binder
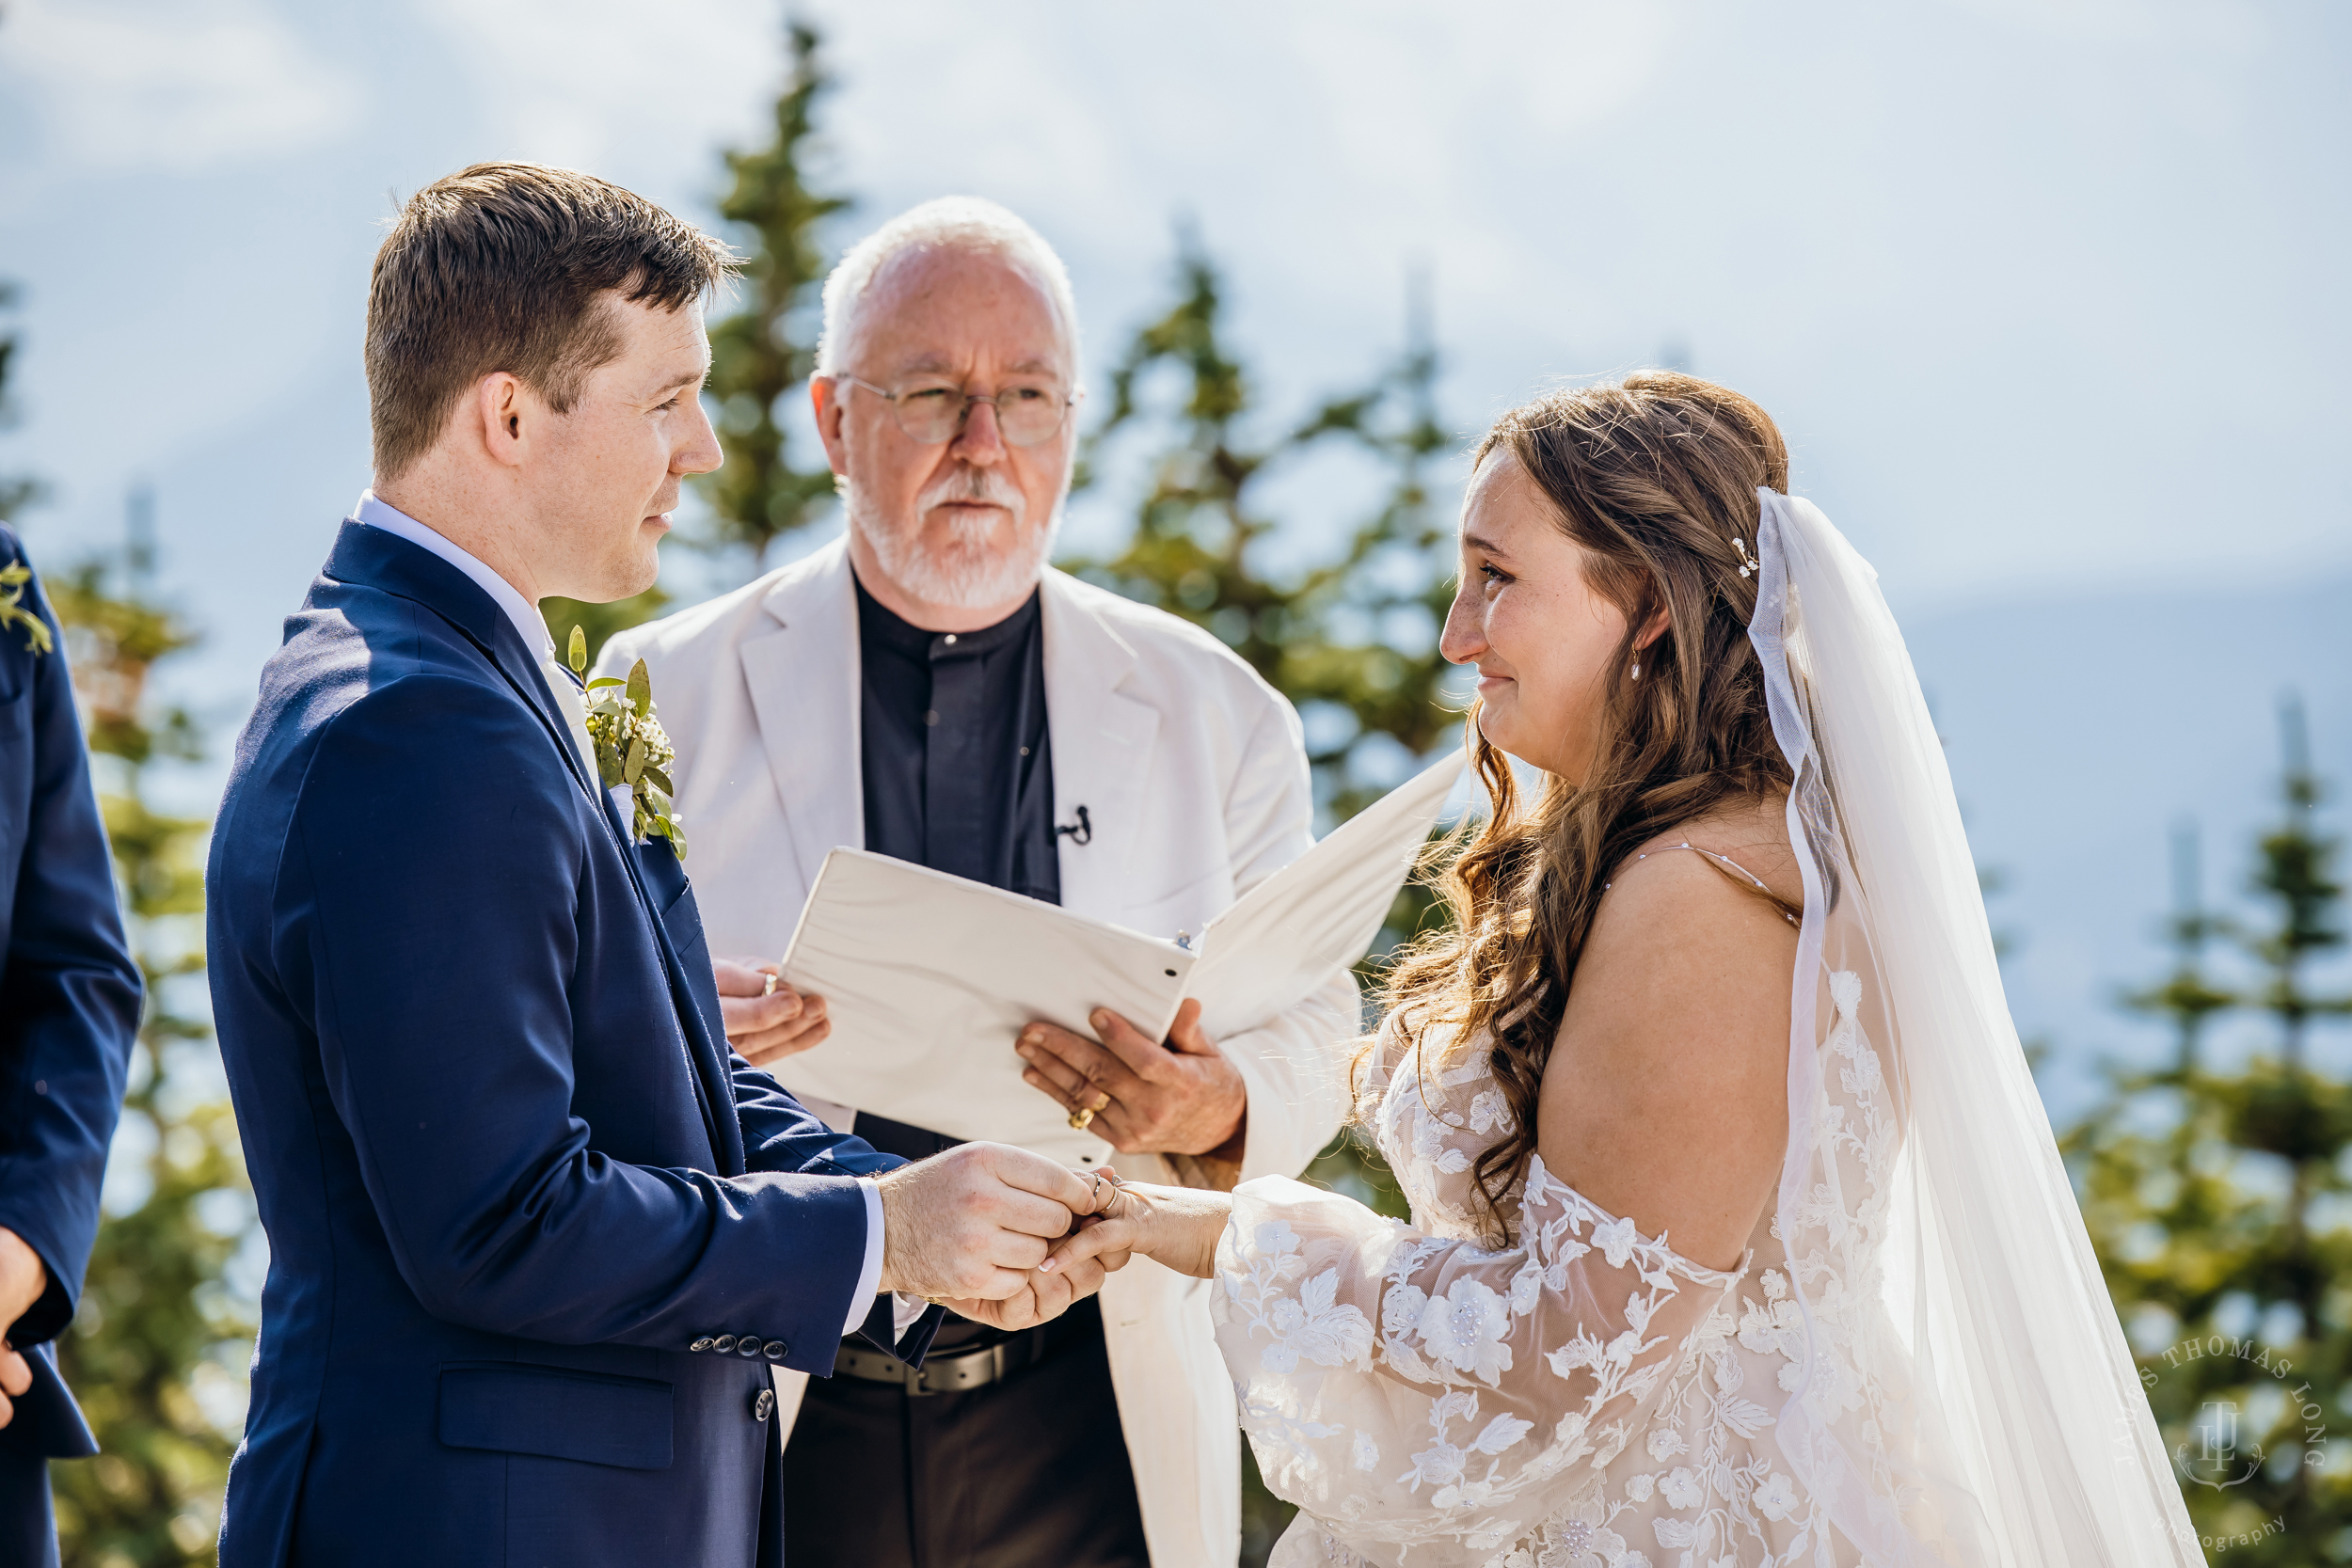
(928, 979)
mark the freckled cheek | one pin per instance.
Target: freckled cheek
(1549, 678)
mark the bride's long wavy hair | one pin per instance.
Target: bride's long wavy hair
(1655, 476)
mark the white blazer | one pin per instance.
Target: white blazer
(1194, 776)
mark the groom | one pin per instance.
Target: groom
(536, 1235)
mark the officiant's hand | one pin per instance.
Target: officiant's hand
(971, 1224)
(766, 1019)
(1181, 1098)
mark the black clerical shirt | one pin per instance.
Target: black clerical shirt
(959, 777)
(957, 763)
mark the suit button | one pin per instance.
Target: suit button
(775, 1349)
(724, 1343)
(764, 1404)
(748, 1345)
(702, 1344)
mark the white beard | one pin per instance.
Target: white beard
(962, 566)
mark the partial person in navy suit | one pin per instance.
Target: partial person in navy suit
(69, 1011)
(536, 1234)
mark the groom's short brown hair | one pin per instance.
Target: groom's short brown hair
(501, 267)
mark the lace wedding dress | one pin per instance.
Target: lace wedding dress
(1916, 1361)
(1587, 1395)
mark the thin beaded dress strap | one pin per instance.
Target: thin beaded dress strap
(1719, 860)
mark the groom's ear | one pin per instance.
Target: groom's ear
(504, 413)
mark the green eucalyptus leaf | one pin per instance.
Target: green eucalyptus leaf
(578, 652)
(608, 767)
(635, 763)
(661, 780)
(641, 687)
(602, 681)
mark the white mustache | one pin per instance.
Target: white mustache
(974, 486)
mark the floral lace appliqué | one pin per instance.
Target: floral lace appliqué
(1585, 1397)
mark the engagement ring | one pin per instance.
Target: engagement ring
(770, 990)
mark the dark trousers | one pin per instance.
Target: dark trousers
(1027, 1472)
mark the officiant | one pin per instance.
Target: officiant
(927, 687)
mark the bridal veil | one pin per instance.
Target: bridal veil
(1940, 1196)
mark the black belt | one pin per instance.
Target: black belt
(956, 1372)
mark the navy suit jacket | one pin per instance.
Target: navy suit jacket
(510, 1172)
(69, 1010)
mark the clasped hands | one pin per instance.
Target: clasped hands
(1010, 1239)
(975, 1229)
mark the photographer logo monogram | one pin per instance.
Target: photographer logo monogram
(2220, 1452)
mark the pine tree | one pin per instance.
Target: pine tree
(1352, 640)
(158, 1350)
(2201, 1187)
(763, 354)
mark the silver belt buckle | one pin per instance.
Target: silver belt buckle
(988, 1361)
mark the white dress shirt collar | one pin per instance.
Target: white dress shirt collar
(391, 520)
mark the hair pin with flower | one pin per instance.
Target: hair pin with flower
(1748, 563)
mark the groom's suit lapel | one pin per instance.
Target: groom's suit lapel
(376, 559)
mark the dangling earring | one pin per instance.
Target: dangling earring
(1637, 664)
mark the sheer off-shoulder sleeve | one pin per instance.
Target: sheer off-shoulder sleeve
(1415, 1391)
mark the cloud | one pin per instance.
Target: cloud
(132, 85)
(612, 86)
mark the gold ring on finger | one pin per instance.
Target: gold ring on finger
(1101, 1103)
(1082, 1117)
(770, 990)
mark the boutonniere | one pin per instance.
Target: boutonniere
(13, 577)
(632, 747)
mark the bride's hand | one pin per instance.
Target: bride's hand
(1177, 1227)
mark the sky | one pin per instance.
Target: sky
(2045, 294)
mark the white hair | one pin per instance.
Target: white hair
(965, 223)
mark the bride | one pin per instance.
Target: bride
(1739, 1236)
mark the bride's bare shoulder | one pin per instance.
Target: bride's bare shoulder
(1663, 1098)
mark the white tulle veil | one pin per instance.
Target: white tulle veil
(1966, 1396)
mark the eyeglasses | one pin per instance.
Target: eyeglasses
(932, 413)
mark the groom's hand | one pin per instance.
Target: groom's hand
(1181, 1098)
(970, 1225)
(1046, 1296)
(766, 1019)
(1053, 1286)
(23, 1281)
